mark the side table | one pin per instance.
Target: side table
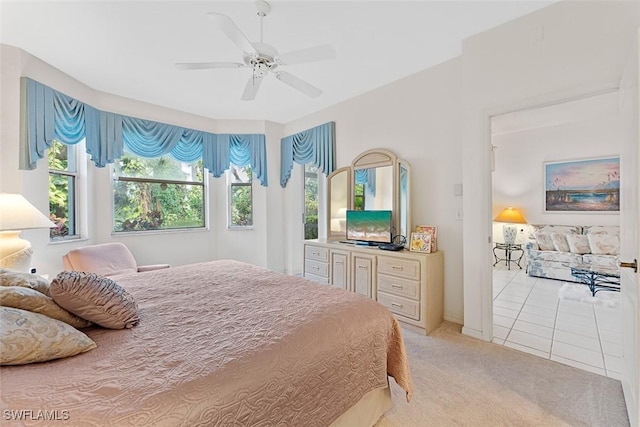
(509, 249)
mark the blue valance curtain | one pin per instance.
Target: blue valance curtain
(314, 145)
(368, 178)
(49, 114)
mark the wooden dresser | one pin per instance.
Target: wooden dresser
(409, 284)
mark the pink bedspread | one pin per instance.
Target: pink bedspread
(220, 343)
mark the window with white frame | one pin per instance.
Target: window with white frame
(310, 201)
(240, 196)
(63, 191)
(157, 194)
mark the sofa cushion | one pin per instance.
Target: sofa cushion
(555, 257)
(601, 229)
(578, 243)
(544, 241)
(560, 242)
(609, 261)
(604, 244)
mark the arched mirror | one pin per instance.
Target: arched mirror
(376, 180)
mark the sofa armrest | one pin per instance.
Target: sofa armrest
(152, 267)
(531, 246)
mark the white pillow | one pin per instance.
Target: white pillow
(578, 243)
(544, 241)
(560, 242)
(604, 244)
(27, 337)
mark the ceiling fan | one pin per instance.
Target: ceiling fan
(262, 58)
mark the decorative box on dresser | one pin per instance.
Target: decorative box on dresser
(409, 284)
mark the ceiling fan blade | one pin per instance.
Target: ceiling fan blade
(233, 32)
(207, 65)
(298, 84)
(311, 54)
(251, 88)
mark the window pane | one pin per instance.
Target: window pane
(240, 174)
(61, 205)
(310, 201)
(161, 168)
(241, 205)
(140, 206)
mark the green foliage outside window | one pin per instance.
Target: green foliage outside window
(241, 196)
(310, 202)
(157, 194)
(61, 190)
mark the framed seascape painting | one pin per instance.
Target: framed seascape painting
(590, 185)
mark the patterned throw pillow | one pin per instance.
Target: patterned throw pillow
(36, 302)
(27, 337)
(26, 280)
(560, 242)
(578, 243)
(604, 244)
(544, 241)
(96, 298)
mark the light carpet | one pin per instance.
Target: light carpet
(461, 381)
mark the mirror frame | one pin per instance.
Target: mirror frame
(371, 159)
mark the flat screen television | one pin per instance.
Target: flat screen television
(369, 227)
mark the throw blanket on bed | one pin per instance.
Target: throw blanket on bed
(221, 343)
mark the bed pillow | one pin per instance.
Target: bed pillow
(578, 243)
(27, 337)
(544, 241)
(26, 280)
(36, 302)
(560, 242)
(95, 298)
(604, 244)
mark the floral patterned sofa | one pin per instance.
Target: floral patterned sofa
(551, 249)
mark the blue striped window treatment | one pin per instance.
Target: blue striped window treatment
(315, 145)
(48, 114)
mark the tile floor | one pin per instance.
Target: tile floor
(528, 315)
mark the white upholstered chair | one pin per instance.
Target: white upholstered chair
(107, 259)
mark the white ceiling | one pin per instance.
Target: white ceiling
(129, 48)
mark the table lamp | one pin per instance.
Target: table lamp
(509, 217)
(17, 214)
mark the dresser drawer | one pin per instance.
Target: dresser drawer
(316, 253)
(319, 279)
(316, 268)
(407, 268)
(401, 287)
(399, 305)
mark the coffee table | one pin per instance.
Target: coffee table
(597, 278)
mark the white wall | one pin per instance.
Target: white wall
(585, 128)
(418, 119)
(560, 52)
(173, 247)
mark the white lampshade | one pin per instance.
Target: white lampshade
(16, 214)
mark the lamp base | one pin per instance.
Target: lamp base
(15, 253)
(509, 232)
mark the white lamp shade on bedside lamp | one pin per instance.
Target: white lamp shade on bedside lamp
(509, 217)
(17, 214)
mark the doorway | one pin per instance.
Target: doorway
(538, 315)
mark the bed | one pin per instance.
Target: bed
(224, 343)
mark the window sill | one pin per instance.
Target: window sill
(156, 232)
(65, 241)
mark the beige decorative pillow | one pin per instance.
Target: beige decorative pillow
(36, 302)
(604, 244)
(560, 242)
(95, 298)
(26, 280)
(27, 337)
(578, 243)
(544, 241)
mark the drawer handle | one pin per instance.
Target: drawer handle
(339, 262)
(362, 267)
(316, 268)
(315, 253)
(395, 267)
(396, 305)
(396, 286)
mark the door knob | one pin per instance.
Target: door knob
(633, 265)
